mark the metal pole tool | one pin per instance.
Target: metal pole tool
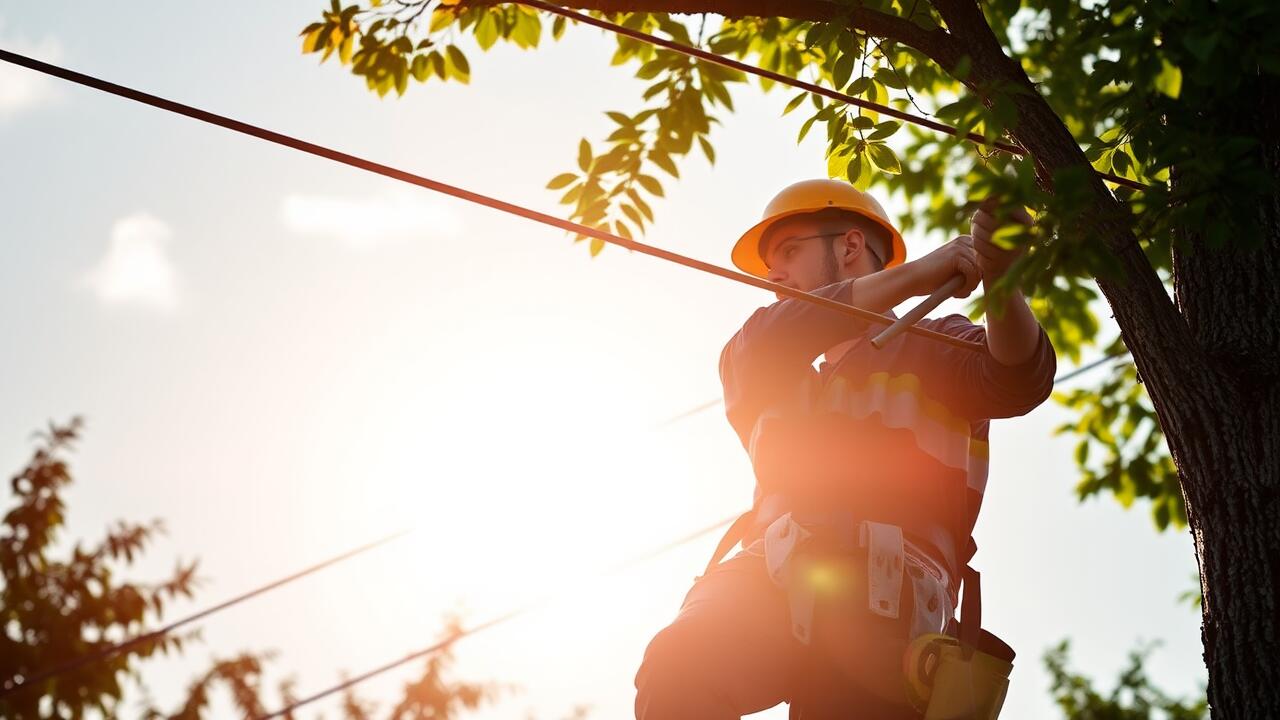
(900, 325)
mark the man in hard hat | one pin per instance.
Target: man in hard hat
(880, 452)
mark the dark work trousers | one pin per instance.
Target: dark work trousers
(730, 652)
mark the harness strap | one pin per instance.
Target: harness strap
(732, 536)
(971, 609)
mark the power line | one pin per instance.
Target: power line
(469, 196)
(13, 686)
(796, 83)
(1060, 379)
(1089, 366)
(498, 620)
(438, 646)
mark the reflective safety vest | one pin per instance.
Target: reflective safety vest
(895, 435)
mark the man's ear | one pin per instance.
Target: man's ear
(855, 245)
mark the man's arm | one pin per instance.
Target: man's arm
(1013, 333)
(787, 335)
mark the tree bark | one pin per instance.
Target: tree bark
(1230, 463)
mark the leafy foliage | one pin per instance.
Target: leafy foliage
(1134, 697)
(1144, 87)
(60, 608)
(1116, 418)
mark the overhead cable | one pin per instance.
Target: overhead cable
(1091, 365)
(777, 77)
(469, 196)
(287, 710)
(13, 686)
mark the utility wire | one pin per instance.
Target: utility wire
(498, 620)
(469, 196)
(796, 83)
(1089, 366)
(1060, 379)
(13, 686)
(424, 652)
(391, 172)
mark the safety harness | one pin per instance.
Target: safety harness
(952, 670)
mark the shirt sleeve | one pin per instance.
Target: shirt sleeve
(985, 387)
(764, 360)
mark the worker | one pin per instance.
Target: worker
(883, 452)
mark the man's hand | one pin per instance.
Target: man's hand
(958, 257)
(994, 260)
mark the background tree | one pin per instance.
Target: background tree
(1183, 98)
(1134, 696)
(57, 610)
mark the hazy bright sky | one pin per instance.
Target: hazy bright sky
(285, 358)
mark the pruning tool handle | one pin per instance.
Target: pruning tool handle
(925, 307)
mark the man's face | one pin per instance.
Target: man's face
(799, 252)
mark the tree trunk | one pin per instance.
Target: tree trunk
(1229, 457)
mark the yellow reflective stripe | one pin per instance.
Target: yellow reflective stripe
(901, 405)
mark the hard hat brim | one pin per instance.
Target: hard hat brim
(746, 252)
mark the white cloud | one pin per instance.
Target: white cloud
(22, 89)
(136, 269)
(361, 223)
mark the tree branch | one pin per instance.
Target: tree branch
(937, 44)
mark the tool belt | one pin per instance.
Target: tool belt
(951, 670)
(890, 560)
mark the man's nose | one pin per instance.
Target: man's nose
(776, 275)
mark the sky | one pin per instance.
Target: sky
(285, 358)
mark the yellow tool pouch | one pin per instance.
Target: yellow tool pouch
(947, 681)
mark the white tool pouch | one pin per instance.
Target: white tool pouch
(929, 589)
(884, 566)
(890, 558)
(781, 539)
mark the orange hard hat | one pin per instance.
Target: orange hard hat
(809, 196)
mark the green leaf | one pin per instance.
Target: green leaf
(884, 158)
(707, 150)
(843, 70)
(1120, 161)
(795, 102)
(884, 130)
(861, 122)
(633, 215)
(561, 180)
(664, 161)
(859, 85)
(651, 184)
(487, 31)
(420, 70)
(459, 62)
(584, 155)
(1169, 81)
(887, 77)
(854, 169)
(436, 60)
(838, 164)
(804, 129)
